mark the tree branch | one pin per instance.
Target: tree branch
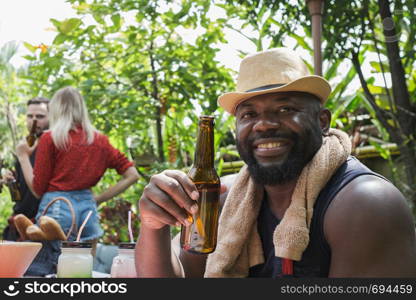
(400, 90)
(155, 95)
(371, 24)
(380, 114)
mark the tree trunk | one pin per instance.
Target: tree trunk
(400, 91)
(401, 97)
(155, 95)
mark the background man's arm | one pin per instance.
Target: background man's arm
(27, 170)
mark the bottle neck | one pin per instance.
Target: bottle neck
(32, 131)
(204, 152)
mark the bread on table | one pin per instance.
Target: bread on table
(34, 233)
(51, 228)
(22, 223)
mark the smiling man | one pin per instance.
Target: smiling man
(301, 207)
(272, 151)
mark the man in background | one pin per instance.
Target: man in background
(37, 109)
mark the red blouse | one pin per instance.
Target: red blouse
(80, 167)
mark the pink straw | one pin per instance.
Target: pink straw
(129, 226)
(83, 225)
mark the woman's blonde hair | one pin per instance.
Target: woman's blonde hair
(67, 110)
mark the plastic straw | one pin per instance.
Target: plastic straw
(129, 226)
(83, 225)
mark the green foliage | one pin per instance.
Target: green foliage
(11, 91)
(144, 85)
(114, 221)
(6, 206)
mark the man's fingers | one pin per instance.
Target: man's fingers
(169, 208)
(186, 183)
(158, 216)
(178, 185)
(169, 199)
(8, 175)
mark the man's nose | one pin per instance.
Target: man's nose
(266, 123)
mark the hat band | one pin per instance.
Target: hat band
(265, 87)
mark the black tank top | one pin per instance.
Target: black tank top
(316, 258)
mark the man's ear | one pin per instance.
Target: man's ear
(325, 120)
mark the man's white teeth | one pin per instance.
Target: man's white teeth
(269, 145)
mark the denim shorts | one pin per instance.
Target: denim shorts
(82, 202)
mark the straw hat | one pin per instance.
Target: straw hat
(270, 71)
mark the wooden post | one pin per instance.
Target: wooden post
(315, 10)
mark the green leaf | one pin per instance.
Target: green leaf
(55, 23)
(28, 57)
(301, 41)
(375, 90)
(116, 20)
(69, 25)
(82, 7)
(384, 152)
(348, 104)
(8, 51)
(343, 84)
(59, 39)
(377, 68)
(332, 71)
(30, 47)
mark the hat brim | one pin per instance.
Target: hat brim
(312, 84)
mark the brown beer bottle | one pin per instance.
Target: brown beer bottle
(31, 138)
(201, 236)
(14, 189)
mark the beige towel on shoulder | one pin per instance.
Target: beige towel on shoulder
(239, 245)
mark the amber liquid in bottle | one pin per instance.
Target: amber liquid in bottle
(31, 138)
(201, 236)
(14, 189)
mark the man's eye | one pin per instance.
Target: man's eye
(285, 109)
(247, 115)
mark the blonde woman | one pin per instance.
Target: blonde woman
(71, 158)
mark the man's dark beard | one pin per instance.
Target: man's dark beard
(297, 159)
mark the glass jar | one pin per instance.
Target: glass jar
(75, 260)
(123, 264)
